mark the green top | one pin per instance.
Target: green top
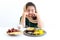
(29, 24)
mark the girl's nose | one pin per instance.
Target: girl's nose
(30, 12)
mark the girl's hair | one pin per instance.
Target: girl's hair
(31, 4)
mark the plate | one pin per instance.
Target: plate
(34, 35)
(14, 33)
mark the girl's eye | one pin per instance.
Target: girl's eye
(32, 10)
(28, 10)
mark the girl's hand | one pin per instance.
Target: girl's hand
(25, 14)
(34, 14)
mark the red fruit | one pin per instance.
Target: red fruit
(9, 31)
(12, 29)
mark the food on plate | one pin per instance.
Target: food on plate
(34, 31)
(34, 17)
(13, 31)
(30, 30)
(39, 32)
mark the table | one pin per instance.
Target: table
(4, 36)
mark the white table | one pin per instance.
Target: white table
(4, 36)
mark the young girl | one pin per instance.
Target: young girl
(30, 17)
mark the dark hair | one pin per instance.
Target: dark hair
(31, 4)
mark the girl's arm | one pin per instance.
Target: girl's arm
(39, 21)
(23, 18)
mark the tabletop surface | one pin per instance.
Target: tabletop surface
(5, 36)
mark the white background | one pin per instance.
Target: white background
(11, 11)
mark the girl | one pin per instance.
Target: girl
(30, 17)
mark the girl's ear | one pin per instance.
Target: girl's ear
(36, 11)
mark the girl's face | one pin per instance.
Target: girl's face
(30, 10)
